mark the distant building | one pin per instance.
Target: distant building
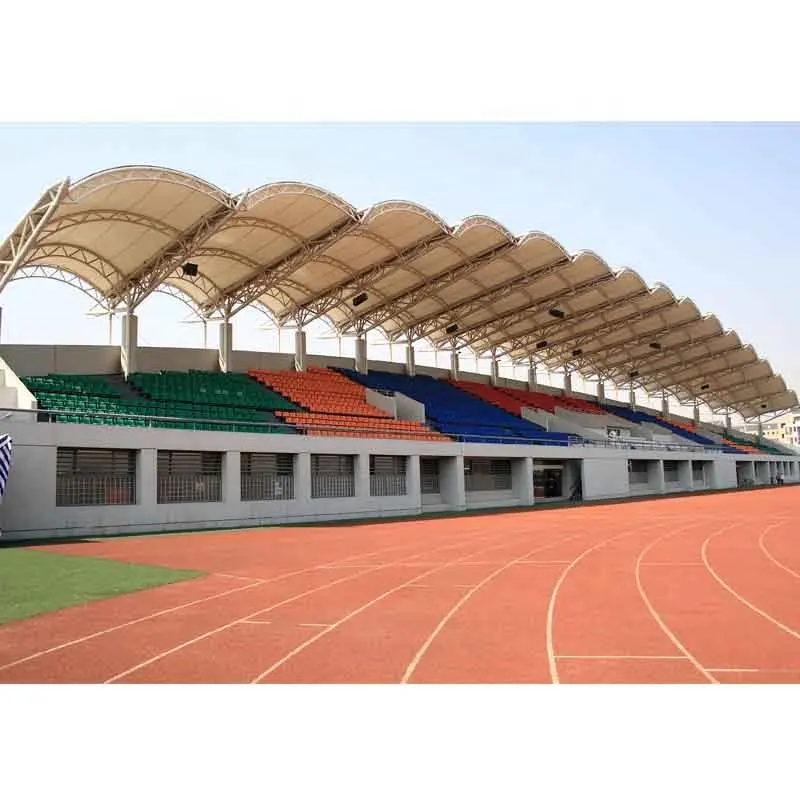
(784, 429)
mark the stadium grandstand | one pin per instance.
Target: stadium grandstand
(124, 439)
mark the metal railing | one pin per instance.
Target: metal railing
(486, 482)
(362, 432)
(267, 487)
(95, 490)
(647, 444)
(429, 484)
(385, 485)
(196, 488)
(323, 485)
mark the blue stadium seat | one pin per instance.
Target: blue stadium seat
(639, 417)
(457, 413)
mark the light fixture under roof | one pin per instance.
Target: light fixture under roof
(360, 299)
(541, 345)
(635, 373)
(705, 386)
(450, 329)
(578, 351)
(557, 313)
(655, 345)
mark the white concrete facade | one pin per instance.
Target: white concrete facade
(29, 509)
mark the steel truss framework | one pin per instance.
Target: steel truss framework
(299, 253)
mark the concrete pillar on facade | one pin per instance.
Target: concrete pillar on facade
(601, 392)
(129, 343)
(696, 414)
(232, 477)
(300, 351)
(451, 481)
(225, 346)
(494, 371)
(532, 377)
(361, 355)
(685, 476)
(632, 398)
(655, 477)
(522, 480)
(362, 476)
(411, 360)
(567, 382)
(146, 477)
(302, 479)
(413, 482)
(454, 364)
(664, 406)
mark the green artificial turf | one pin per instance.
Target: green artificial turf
(36, 582)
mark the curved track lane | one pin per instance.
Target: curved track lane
(699, 589)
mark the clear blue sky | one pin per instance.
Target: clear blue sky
(710, 210)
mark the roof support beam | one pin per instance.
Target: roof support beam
(105, 271)
(523, 344)
(484, 330)
(66, 221)
(532, 335)
(442, 319)
(772, 416)
(226, 309)
(754, 397)
(663, 370)
(668, 369)
(693, 374)
(62, 276)
(400, 306)
(272, 274)
(133, 289)
(15, 249)
(322, 302)
(589, 358)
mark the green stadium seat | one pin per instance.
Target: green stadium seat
(198, 400)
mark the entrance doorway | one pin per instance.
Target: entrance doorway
(556, 480)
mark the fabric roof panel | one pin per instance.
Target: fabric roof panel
(304, 252)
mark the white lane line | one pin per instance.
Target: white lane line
(191, 603)
(365, 606)
(740, 669)
(656, 616)
(624, 658)
(551, 658)
(447, 617)
(743, 600)
(763, 545)
(284, 602)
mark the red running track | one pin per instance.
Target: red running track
(701, 589)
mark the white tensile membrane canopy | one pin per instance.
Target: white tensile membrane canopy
(300, 253)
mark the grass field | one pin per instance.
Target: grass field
(35, 582)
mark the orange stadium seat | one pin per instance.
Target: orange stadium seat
(514, 400)
(332, 405)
